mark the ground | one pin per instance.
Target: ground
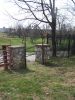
(55, 81)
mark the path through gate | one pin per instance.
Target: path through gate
(4, 56)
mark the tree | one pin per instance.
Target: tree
(61, 25)
(47, 14)
(21, 33)
(73, 1)
(71, 7)
(19, 29)
(11, 32)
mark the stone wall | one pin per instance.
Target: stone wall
(17, 59)
(46, 50)
(42, 49)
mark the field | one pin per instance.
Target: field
(39, 82)
(53, 81)
(18, 41)
(30, 43)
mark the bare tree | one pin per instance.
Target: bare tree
(21, 33)
(73, 1)
(47, 12)
(19, 30)
(61, 21)
(71, 7)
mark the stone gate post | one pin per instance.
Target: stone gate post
(17, 57)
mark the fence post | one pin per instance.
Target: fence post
(4, 48)
(69, 44)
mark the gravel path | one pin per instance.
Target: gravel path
(31, 58)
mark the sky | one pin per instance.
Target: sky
(8, 7)
(5, 8)
(4, 20)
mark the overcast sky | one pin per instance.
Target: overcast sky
(7, 6)
(5, 19)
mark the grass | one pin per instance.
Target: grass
(31, 45)
(40, 82)
(18, 41)
(3, 34)
(10, 41)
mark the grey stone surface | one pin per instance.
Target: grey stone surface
(46, 52)
(17, 57)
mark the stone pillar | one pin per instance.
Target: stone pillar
(46, 52)
(17, 57)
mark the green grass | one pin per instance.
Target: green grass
(3, 34)
(18, 41)
(31, 45)
(40, 82)
(10, 41)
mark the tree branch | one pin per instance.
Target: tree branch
(45, 14)
(33, 13)
(73, 1)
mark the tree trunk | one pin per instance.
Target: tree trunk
(54, 36)
(47, 39)
(25, 66)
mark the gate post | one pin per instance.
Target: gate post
(4, 48)
(17, 57)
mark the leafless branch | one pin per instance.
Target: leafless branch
(73, 1)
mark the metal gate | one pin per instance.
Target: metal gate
(5, 56)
